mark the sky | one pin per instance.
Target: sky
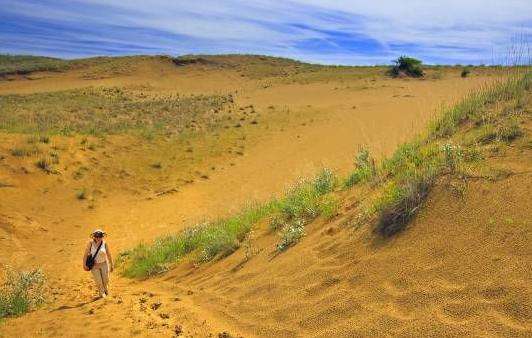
(350, 32)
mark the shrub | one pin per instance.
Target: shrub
(21, 292)
(465, 72)
(406, 66)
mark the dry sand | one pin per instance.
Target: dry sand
(448, 276)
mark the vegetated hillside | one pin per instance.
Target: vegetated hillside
(435, 241)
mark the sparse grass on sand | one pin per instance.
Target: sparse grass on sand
(100, 111)
(301, 204)
(405, 179)
(401, 183)
(21, 291)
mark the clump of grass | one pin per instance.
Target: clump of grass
(21, 291)
(400, 203)
(45, 164)
(509, 131)
(81, 194)
(24, 151)
(364, 169)
(291, 234)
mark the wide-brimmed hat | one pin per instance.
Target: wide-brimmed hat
(98, 232)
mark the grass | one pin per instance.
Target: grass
(24, 151)
(21, 292)
(45, 164)
(301, 204)
(25, 64)
(408, 175)
(365, 169)
(100, 111)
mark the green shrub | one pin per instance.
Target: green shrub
(465, 72)
(21, 292)
(406, 66)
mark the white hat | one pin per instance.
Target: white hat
(98, 231)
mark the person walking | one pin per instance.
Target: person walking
(98, 260)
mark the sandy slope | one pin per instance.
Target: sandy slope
(332, 283)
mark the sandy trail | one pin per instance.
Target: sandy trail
(342, 120)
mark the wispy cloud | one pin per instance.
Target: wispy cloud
(345, 32)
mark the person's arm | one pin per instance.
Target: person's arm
(85, 255)
(109, 258)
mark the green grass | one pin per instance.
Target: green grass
(21, 292)
(408, 175)
(364, 169)
(24, 64)
(100, 111)
(301, 204)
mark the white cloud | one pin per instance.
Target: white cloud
(469, 31)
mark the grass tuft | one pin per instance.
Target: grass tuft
(21, 291)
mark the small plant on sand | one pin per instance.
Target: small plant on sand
(365, 168)
(81, 194)
(291, 234)
(406, 66)
(45, 164)
(21, 291)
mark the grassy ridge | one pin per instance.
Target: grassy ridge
(405, 179)
(401, 181)
(301, 204)
(25, 64)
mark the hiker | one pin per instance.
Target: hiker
(98, 260)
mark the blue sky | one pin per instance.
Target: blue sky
(332, 32)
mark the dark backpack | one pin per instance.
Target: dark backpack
(90, 258)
